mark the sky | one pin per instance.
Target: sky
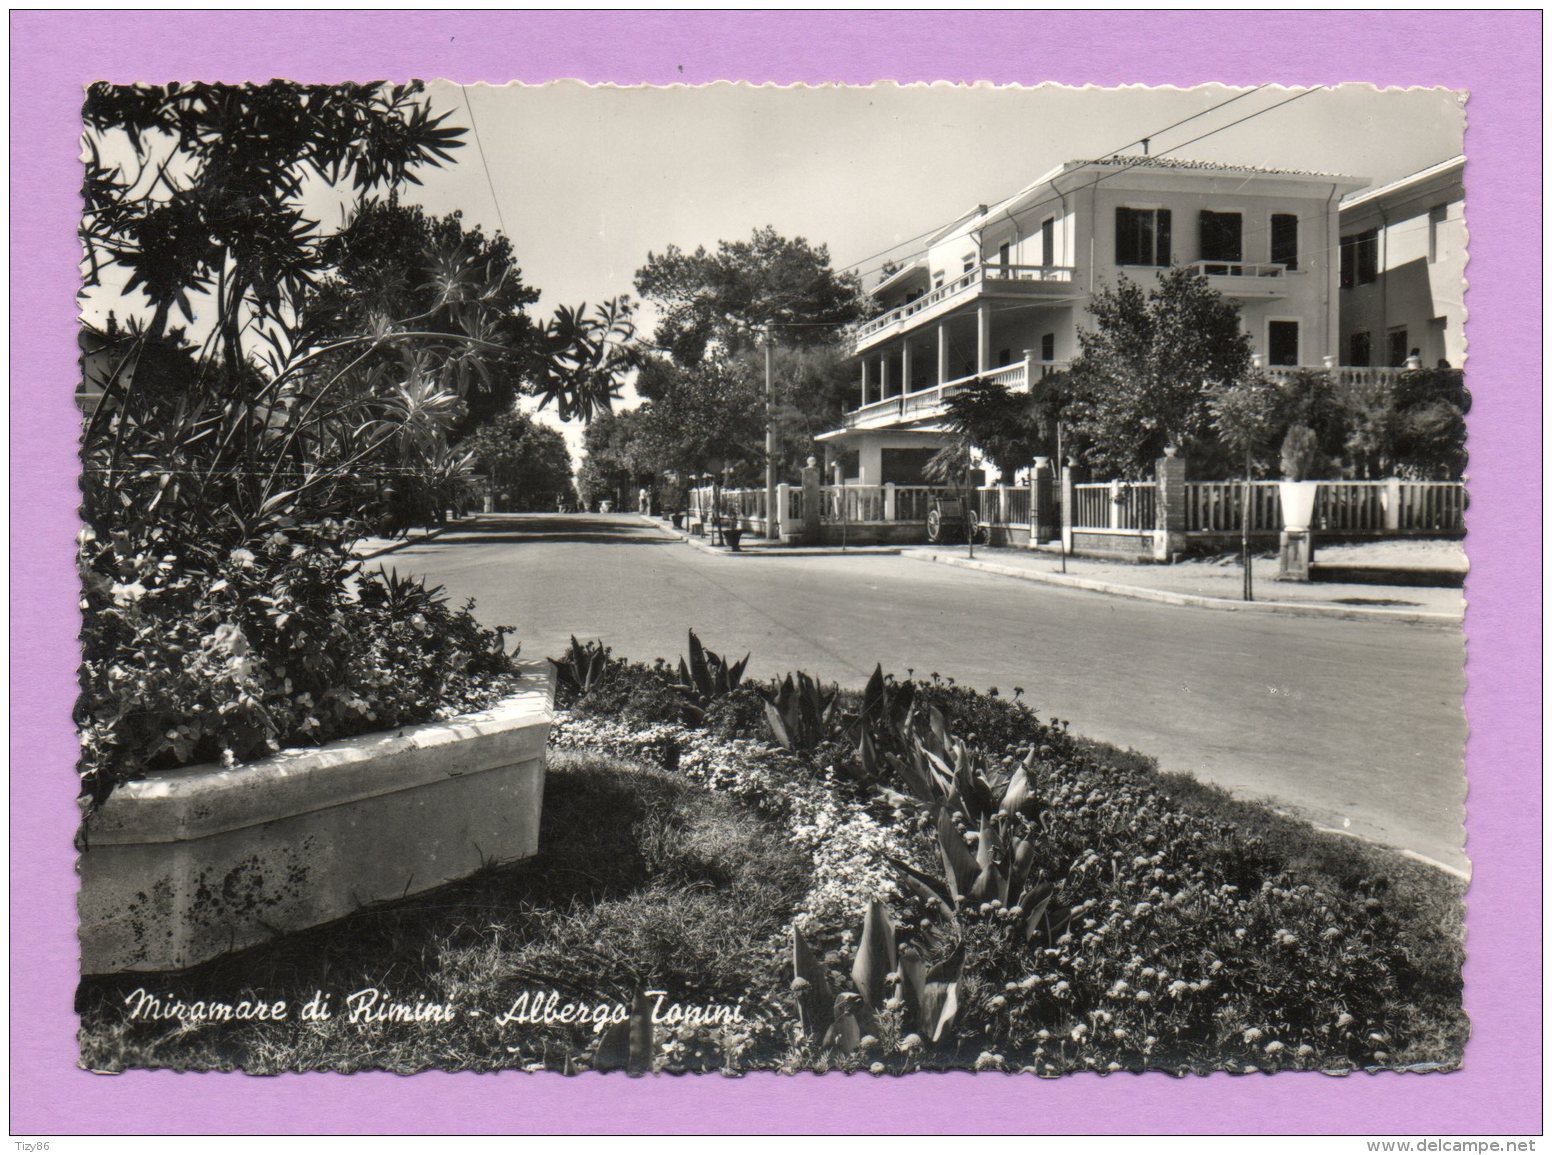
(587, 180)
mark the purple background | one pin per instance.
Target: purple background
(1495, 55)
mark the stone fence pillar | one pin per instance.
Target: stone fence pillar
(811, 499)
(1169, 535)
(783, 504)
(889, 501)
(1069, 504)
(1042, 503)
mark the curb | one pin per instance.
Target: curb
(1166, 597)
(774, 551)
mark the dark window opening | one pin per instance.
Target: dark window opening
(1143, 237)
(1048, 242)
(1048, 347)
(1285, 240)
(1282, 342)
(1004, 357)
(1360, 259)
(1358, 349)
(1397, 347)
(1002, 255)
(1221, 237)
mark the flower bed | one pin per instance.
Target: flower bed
(1176, 934)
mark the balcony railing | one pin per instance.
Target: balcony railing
(929, 401)
(1239, 269)
(995, 274)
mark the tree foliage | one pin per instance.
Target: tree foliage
(726, 297)
(526, 464)
(1142, 379)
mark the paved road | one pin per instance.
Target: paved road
(1354, 725)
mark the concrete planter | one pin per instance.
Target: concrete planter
(195, 862)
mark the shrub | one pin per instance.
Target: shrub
(288, 643)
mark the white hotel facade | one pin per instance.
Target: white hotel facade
(1003, 291)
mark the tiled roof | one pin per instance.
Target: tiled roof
(1199, 165)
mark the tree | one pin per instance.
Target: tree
(1006, 427)
(727, 297)
(615, 456)
(1141, 381)
(526, 464)
(339, 370)
(702, 418)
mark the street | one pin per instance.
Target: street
(1353, 725)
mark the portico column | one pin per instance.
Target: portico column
(905, 367)
(865, 381)
(983, 337)
(942, 352)
(883, 376)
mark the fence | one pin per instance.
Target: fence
(1127, 506)
(1219, 507)
(1345, 508)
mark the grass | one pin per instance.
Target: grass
(643, 881)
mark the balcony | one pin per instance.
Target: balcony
(925, 404)
(1263, 280)
(1054, 282)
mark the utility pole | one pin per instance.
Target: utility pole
(771, 519)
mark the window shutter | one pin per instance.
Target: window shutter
(1162, 255)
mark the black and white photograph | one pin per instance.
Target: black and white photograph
(734, 578)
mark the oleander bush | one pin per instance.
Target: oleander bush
(289, 643)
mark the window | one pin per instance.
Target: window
(937, 280)
(1396, 347)
(1221, 235)
(1048, 347)
(1285, 240)
(1048, 242)
(1282, 342)
(1002, 255)
(1360, 258)
(1004, 357)
(1358, 351)
(969, 260)
(1436, 217)
(1142, 237)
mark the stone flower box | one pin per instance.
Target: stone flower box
(192, 863)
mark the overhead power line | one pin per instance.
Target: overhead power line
(1144, 161)
(491, 184)
(1143, 140)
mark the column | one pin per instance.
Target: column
(942, 352)
(889, 501)
(983, 337)
(883, 376)
(783, 504)
(865, 381)
(905, 366)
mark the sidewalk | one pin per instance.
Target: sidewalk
(1212, 585)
